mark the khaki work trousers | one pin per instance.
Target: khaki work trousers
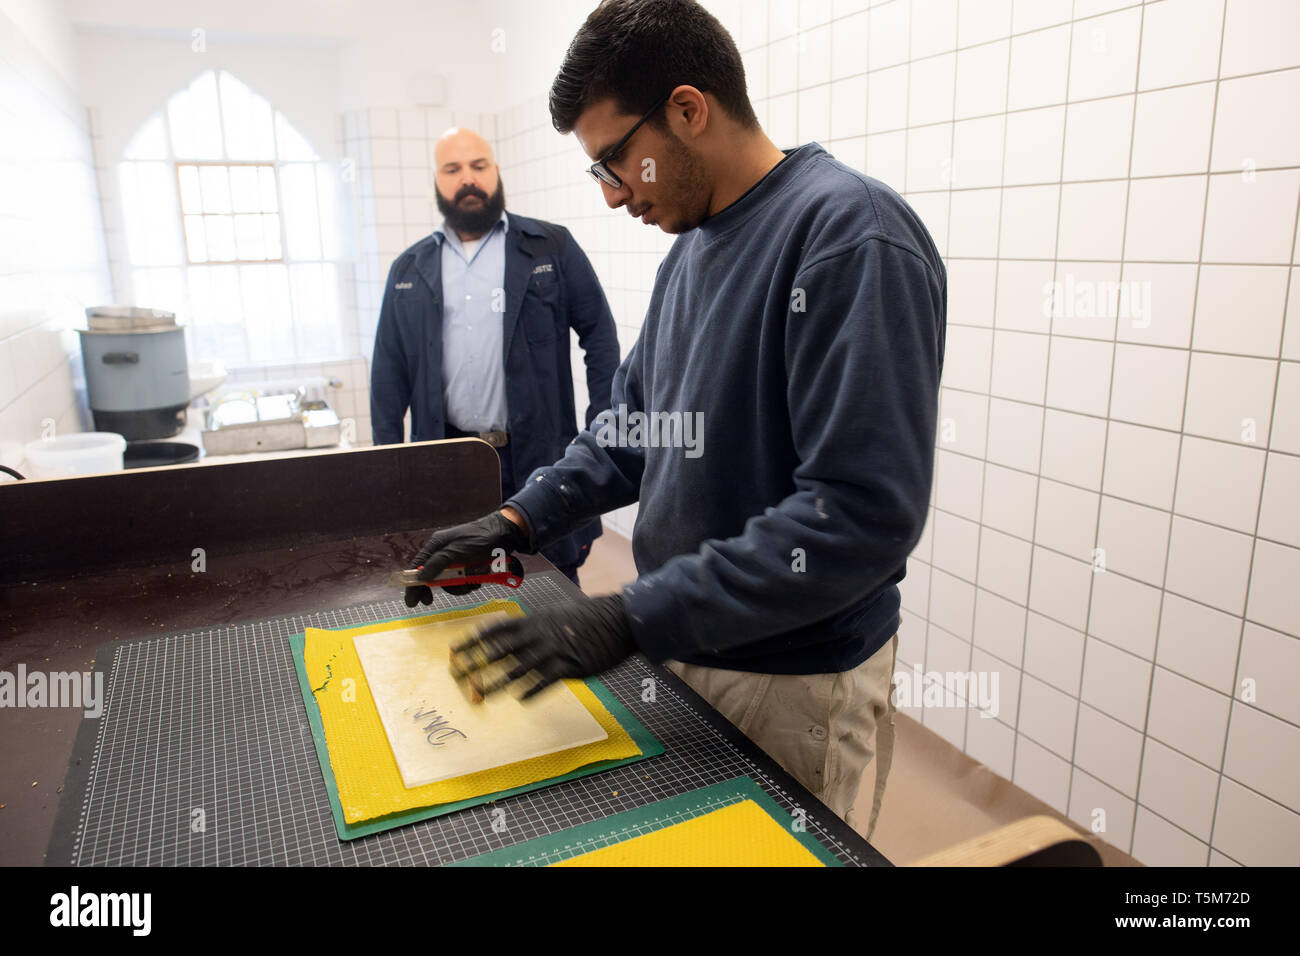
(824, 729)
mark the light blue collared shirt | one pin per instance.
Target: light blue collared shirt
(473, 313)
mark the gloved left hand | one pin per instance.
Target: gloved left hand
(578, 640)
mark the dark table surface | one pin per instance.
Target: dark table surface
(59, 617)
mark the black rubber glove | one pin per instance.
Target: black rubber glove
(577, 640)
(473, 542)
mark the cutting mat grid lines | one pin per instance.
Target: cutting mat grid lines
(204, 756)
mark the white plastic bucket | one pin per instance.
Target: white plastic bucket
(85, 453)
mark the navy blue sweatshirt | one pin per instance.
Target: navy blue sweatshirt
(802, 328)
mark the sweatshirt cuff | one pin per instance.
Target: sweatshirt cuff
(543, 508)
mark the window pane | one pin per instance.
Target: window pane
(301, 222)
(196, 238)
(268, 312)
(215, 185)
(271, 236)
(191, 198)
(266, 182)
(244, 193)
(221, 238)
(195, 120)
(246, 118)
(248, 237)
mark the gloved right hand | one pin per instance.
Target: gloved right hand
(472, 543)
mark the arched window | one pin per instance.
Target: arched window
(233, 222)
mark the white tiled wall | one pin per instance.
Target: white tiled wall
(52, 259)
(1083, 142)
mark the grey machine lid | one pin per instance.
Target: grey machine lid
(117, 319)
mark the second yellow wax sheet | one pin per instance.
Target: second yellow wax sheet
(743, 834)
(365, 770)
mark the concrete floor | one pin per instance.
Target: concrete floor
(936, 797)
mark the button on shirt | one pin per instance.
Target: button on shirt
(473, 367)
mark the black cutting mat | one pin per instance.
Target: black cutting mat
(203, 756)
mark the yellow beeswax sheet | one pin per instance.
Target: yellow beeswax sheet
(742, 834)
(365, 770)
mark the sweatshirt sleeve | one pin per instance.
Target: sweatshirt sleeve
(597, 474)
(863, 360)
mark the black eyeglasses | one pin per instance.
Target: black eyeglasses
(602, 173)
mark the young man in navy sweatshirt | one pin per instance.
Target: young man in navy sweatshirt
(775, 420)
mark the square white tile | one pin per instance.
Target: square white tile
(1104, 55)
(1097, 138)
(1029, 219)
(1260, 35)
(1047, 716)
(1116, 682)
(1251, 217)
(1286, 421)
(999, 626)
(1254, 830)
(1101, 809)
(1219, 483)
(1159, 299)
(1016, 433)
(1035, 139)
(1180, 42)
(1042, 773)
(1066, 519)
(1171, 133)
(1108, 749)
(1164, 219)
(1157, 842)
(1229, 398)
(1019, 366)
(1125, 612)
(982, 80)
(1273, 578)
(1004, 565)
(1178, 789)
(1279, 514)
(1132, 539)
(1024, 295)
(971, 285)
(1269, 671)
(1078, 378)
(1199, 642)
(1059, 587)
(1209, 564)
(1009, 500)
(958, 484)
(1240, 309)
(1188, 717)
(1038, 68)
(1073, 448)
(1149, 385)
(1054, 653)
(1256, 741)
(1141, 464)
(1246, 127)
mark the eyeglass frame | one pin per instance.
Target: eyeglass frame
(615, 181)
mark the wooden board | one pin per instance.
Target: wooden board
(434, 730)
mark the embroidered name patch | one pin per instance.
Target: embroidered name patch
(404, 285)
(544, 267)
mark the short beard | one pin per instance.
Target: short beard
(473, 222)
(690, 189)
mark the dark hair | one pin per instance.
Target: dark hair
(637, 51)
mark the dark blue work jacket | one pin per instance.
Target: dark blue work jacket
(550, 288)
